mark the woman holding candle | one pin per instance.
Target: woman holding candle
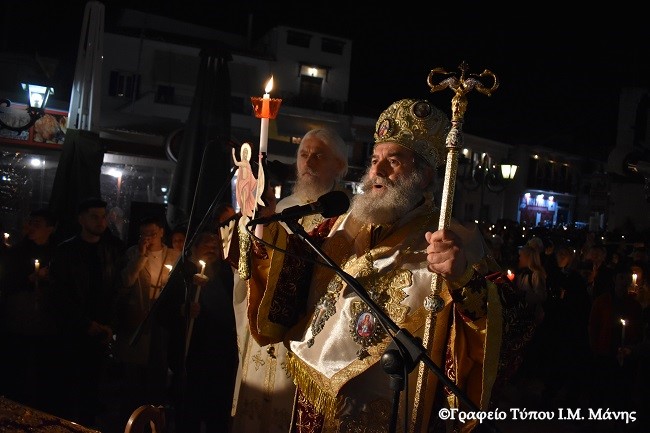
(143, 278)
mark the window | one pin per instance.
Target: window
(332, 46)
(298, 39)
(310, 88)
(124, 84)
(313, 70)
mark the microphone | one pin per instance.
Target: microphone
(332, 204)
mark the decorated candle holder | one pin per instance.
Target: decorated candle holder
(260, 112)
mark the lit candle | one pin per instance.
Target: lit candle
(7, 239)
(202, 263)
(266, 113)
(169, 269)
(634, 277)
(511, 276)
(622, 332)
(37, 266)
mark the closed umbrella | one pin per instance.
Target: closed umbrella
(203, 166)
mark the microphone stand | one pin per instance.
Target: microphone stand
(408, 347)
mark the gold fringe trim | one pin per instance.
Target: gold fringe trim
(323, 402)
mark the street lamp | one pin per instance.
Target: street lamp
(14, 120)
(479, 172)
(508, 170)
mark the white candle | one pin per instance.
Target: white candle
(7, 239)
(37, 266)
(622, 332)
(266, 113)
(202, 263)
(634, 277)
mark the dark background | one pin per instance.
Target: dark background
(561, 71)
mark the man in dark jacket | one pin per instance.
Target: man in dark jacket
(85, 274)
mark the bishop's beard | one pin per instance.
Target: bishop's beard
(399, 197)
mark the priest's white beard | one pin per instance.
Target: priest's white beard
(310, 188)
(399, 197)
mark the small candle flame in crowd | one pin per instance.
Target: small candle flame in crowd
(623, 322)
(37, 265)
(634, 277)
(202, 263)
(510, 275)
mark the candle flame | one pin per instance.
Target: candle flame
(623, 322)
(634, 277)
(201, 262)
(169, 267)
(269, 85)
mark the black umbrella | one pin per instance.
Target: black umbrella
(203, 166)
(77, 177)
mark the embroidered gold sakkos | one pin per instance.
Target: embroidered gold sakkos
(335, 348)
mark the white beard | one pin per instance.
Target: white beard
(398, 198)
(309, 188)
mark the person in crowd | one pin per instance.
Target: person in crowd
(144, 360)
(386, 242)
(615, 320)
(116, 221)
(86, 277)
(600, 277)
(177, 237)
(30, 363)
(203, 341)
(548, 255)
(531, 279)
(565, 329)
(265, 389)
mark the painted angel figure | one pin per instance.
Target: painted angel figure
(246, 190)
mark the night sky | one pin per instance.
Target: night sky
(560, 72)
